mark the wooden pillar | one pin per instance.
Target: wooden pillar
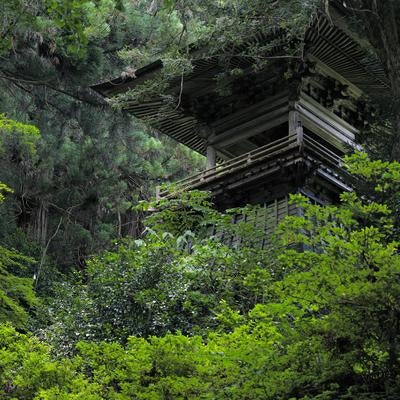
(295, 126)
(211, 157)
(205, 131)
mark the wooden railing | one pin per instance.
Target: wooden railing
(261, 154)
(322, 152)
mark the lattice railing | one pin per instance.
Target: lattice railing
(259, 155)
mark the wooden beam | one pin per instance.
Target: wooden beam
(327, 125)
(254, 110)
(308, 103)
(251, 128)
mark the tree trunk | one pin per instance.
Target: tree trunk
(41, 223)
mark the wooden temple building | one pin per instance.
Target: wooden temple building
(276, 131)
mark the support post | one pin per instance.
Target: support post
(211, 157)
(205, 131)
(295, 126)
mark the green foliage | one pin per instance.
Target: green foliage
(16, 136)
(71, 23)
(341, 287)
(17, 297)
(189, 211)
(166, 281)
(313, 317)
(10, 126)
(379, 180)
(215, 29)
(27, 371)
(3, 190)
(75, 185)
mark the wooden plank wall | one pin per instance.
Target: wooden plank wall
(264, 218)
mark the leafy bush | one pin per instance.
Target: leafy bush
(166, 281)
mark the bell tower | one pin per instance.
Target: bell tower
(271, 132)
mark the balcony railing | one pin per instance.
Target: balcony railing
(262, 154)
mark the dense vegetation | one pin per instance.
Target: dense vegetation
(313, 315)
(102, 298)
